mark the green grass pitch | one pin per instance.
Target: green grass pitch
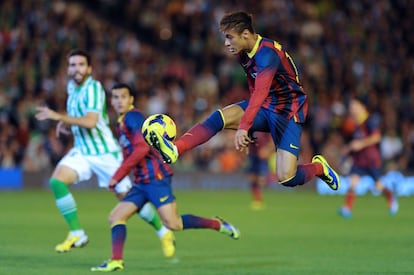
(298, 233)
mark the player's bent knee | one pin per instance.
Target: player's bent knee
(114, 218)
(111, 219)
(288, 181)
(174, 225)
(285, 180)
(287, 184)
(231, 116)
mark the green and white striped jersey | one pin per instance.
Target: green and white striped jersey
(90, 97)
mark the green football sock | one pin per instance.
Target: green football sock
(151, 216)
(65, 203)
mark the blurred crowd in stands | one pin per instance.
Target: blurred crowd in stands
(172, 54)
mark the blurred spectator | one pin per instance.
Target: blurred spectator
(36, 158)
(391, 146)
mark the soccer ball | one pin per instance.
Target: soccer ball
(160, 123)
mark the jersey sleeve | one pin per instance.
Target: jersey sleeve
(374, 124)
(133, 122)
(267, 62)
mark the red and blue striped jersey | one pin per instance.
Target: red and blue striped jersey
(144, 160)
(273, 82)
(370, 156)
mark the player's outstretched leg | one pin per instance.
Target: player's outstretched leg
(329, 175)
(166, 148)
(109, 265)
(72, 241)
(228, 229)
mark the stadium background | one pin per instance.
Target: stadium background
(172, 53)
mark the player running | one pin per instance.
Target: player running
(95, 150)
(152, 183)
(366, 157)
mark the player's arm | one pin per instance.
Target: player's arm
(261, 91)
(87, 121)
(140, 146)
(359, 144)
(95, 99)
(267, 62)
(373, 138)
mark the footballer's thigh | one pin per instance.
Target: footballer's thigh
(231, 116)
(72, 168)
(286, 165)
(65, 174)
(169, 216)
(105, 166)
(286, 135)
(160, 194)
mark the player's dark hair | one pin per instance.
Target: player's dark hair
(239, 21)
(81, 53)
(123, 86)
(362, 98)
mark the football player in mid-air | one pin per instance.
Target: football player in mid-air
(278, 104)
(152, 182)
(95, 150)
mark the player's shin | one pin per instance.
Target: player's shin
(190, 221)
(304, 173)
(201, 132)
(150, 215)
(65, 203)
(118, 231)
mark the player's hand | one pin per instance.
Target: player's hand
(61, 129)
(356, 145)
(242, 140)
(111, 185)
(44, 113)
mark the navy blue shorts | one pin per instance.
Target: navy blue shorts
(285, 132)
(374, 172)
(157, 192)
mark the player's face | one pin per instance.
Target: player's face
(121, 100)
(78, 69)
(356, 108)
(234, 42)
